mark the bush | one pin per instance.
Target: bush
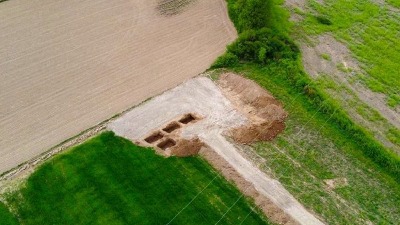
(263, 46)
(323, 20)
(226, 60)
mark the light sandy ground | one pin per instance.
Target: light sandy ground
(68, 65)
(202, 97)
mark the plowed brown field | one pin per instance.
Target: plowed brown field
(67, 65)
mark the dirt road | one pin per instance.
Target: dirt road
(68, 65)
(200, 96)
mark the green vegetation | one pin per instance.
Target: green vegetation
(314, 149)
(284, 57)
(321, 143)
(326, 57)
(108, 180)
(370, 29)
(6, 218)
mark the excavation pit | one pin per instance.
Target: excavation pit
(171, 127)
(154, 137)
(164, 145)
(187, 119)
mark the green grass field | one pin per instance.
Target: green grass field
(108, 180)
(371, 30)
(312, 150)
(321, 144)
(6, 218)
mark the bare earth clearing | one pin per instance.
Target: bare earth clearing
(163, 122)
(66, 66)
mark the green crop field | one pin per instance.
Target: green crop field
(371, 30)
(6, 218)
(108, 180)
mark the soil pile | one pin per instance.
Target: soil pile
(266, 114)
(185, 148)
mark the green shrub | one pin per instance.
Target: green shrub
(250, 14)
(226, 60)
(263, 46)
(323, 20)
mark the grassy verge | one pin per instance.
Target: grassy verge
(108, 180)
(6, 218)
(314, 150)
(370, 29)
(332, 165)
(271, 47)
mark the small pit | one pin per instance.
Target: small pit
(154, 137)
(171, 127)
(164, 145)
(187, 119)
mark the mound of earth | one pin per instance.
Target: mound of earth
(265, 114)
(185, 147)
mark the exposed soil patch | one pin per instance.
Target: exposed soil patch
(59, 77)
(171, 127)
(257, 132)
(187, 119)
(265, 113)
(154, 137)
(336, 183)
(165, 144)
(273, 212)
(185, 147)
(173, 7)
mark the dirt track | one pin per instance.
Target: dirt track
(217, 114)
(66, 66)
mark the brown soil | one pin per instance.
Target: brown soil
(167, 143)
(257, 132)
(274, 213)
(171, 127)
(185, 148)
(265, 113)
(65, 69)
(187, 119)
(154, 137)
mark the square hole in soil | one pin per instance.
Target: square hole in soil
(154, 137)
(187, 119)
(166, 144)
(171, 127)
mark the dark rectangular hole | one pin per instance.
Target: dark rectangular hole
(166, 144)
(187, 119)
(154, 137)
(171, 127)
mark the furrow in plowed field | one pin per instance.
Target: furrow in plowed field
(66, 66)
